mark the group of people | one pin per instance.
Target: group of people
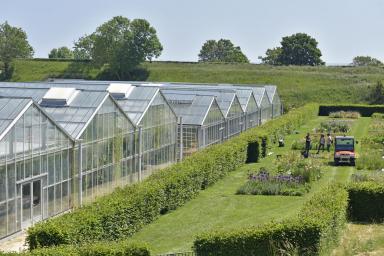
(323, 141)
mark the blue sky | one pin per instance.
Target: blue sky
(343, 28)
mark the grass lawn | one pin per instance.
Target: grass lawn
(361, 239)
(219, 208)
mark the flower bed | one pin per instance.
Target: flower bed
(345, 114)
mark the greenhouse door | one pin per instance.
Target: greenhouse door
(30, 203)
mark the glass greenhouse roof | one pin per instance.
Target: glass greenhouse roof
(271, 91)
(191, 107)
(10, 109)
(72, 118)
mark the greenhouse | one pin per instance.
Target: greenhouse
(35, 165)
(265, 106)
(149, 111)
(228, 103)
(274, 98)
(103, 135)
(202, 122)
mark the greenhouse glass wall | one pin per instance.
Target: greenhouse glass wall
(265, 106)
(202, 122)
(35, 166)
(157, 123)
(275, 100)
(99, 127)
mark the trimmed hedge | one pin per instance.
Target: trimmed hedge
(364, 110)
(127, 210)
(314, 231)
(97, 249)
(366, 201)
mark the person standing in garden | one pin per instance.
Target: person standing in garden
(329, 142)
(307, 145)
(321, 144)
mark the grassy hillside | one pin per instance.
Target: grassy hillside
(297, 85)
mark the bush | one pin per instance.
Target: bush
(314, 231)
(273, 187)
(127, 210)
(345, 114)
(366, 201)
(97, 249)
(364, 110)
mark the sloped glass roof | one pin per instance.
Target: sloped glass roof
(10, 108)
(271, 91)
(72, 118)
(191, 107)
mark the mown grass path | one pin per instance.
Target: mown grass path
(218, 207)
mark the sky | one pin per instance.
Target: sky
(343, 28)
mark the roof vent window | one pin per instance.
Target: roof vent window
(59, 96)
(120, 91)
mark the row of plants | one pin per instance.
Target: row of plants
(127, 210)
(315, 230)
(292, 177)
(372, 155)
(121, 248)
(345, 114)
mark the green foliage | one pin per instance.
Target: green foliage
(344, 114)
(119, 46)
(335, 126)
(364, 110)
(297, 49)
(273, 187)
(366, 201)
(370, 160)
(13, 44)
(375, 93)
(222, 50)
(61, 53)
(314, 231)
(95, 249)
(127, 210)
(366, 61)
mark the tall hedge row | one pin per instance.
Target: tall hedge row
(314, 231)
(121, 248)
(127, 210)
(366, 201)
(364, 110)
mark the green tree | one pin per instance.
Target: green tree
(222, 50)
(13, 44)
(376, 94)
(272, 56)
(61, 53)
(297, 49)
(366, 61)
(119, 46)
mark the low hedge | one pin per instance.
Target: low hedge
(121, 248)
(127, 210)
(366, 201)
(314, 231)
(364, 110)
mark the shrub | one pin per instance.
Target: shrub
(314, 231)
(370, 160)
(339, 126)
(273, 187)
(97, 249)
(345, 114)
(127, 210)
(366, 201)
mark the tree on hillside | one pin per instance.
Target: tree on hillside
(222, 50)
(13, 44)
(61, 53)
(366, 61)
(119, 46)
(297, 49)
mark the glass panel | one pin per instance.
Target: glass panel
(26, 201)
(3, 182)
(11, 216)
(36, 201)
(51, 201)
(11, 180)
(3, 219)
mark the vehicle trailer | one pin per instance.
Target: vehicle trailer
(344, 150)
